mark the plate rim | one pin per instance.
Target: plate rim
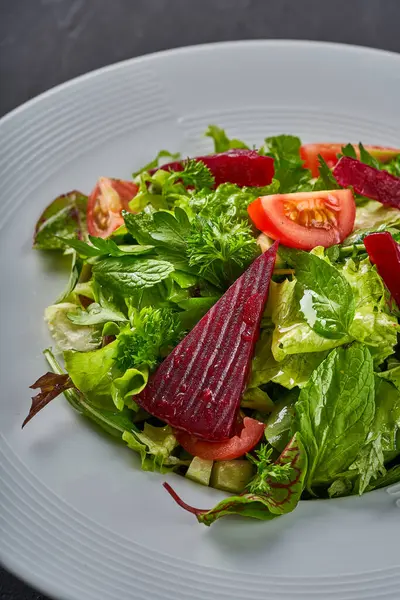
(27, 574)
(201, 47)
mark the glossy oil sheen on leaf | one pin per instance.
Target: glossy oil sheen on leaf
(127, 274)
(335, 411)
(326, 299)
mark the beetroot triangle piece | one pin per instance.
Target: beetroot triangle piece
(367, 181)
(240, 166)
(199, 385)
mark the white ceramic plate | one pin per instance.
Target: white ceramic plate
(78, 517)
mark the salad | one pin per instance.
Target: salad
(234, 318)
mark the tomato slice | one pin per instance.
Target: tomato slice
(329, 152)
(236, 446)
(306, 219)
(105, 204)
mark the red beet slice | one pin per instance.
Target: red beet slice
(199, 385)
(384, 252)
(240, 166)
(367, 181)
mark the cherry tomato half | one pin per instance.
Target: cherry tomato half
(305, 219)
(236, 446)
(105, 204)
(329, 152)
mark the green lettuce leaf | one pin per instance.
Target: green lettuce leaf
(257, 399)
(373, 323)
(292, 335)
(392, 375)
(113, 422)
(292, 371)
(279, 424)
(335, 411)
(132, 382)
(155, 446)
(325, 297)
(93, 372)
(373, 215)
(68, 335)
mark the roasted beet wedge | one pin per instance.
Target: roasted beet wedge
(367, 181)
(199, 385)
(243, 167)
(384, 252)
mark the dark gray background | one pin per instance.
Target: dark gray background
(46, 42)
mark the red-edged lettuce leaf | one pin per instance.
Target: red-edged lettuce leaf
(65, 218)
(51, 385)
(281, 496)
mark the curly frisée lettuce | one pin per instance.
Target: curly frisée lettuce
(199, 342)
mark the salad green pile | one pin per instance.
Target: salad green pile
(325, 375)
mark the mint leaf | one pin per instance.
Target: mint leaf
(325, 297)
(369, 464)
(126, 274)
(104, 247)
(65, 218)
(389, 478)
(335, 411)
(221, 141)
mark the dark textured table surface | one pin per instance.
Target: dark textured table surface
(46, 42)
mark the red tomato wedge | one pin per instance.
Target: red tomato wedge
(306, 219)
(105, 204)
(236, 446)
(329, 152)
